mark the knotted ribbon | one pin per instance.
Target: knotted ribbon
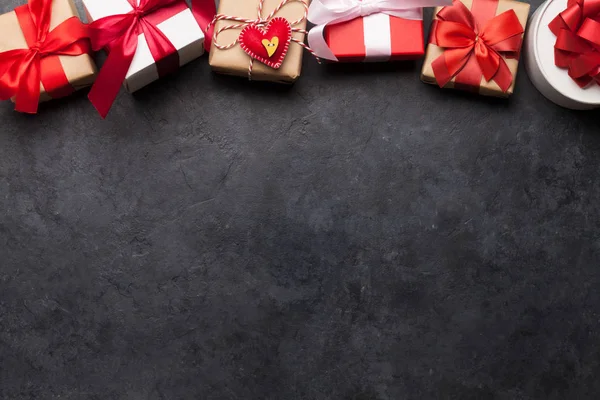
(259, 22)
(577, 47)
(329, 12)
(119, 34)
(22, 70)
(475, 46)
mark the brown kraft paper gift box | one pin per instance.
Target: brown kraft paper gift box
(80, 70)
(486, 88)
(235, 61)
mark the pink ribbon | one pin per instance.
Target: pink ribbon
(329, 12)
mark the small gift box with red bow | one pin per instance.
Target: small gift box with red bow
(145, 39)
(475, 46)
(562, 58)
(44, 53)
(368, 30)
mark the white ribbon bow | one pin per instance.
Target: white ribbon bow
(326, 12)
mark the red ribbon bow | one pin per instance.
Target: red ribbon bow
(22, 70)
(119, 33)
(577, 47)
(459, 33)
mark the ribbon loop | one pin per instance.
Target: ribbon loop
(452, 34)
(590, 31)
(503, 28)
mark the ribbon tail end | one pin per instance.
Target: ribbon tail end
(102, 111)
(320, 48)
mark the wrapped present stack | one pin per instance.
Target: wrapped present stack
(46, 60)
(368, 30)
(475, 46)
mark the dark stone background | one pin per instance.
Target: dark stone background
(359, 235)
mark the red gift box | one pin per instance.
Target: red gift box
(366, 38)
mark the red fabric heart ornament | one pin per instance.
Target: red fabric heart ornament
(268, 45)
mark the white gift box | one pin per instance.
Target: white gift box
(181, 29)
(552, 81)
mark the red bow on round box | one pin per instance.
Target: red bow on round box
(119, 34)
(22, 70)
(577, 47)
(476, 44)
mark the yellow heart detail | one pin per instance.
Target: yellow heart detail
(271, 45)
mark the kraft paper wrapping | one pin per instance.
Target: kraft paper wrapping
(80, 70)
(486, 88)
(235, 61)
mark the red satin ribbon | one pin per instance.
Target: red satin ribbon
(22, 70)
(464, 34)
(577, 47)
(204, 11)
(119, 34)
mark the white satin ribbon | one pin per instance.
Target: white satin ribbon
(326, 12)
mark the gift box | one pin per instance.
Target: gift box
(174, 21)
(368, 30)
(227, 54)
(482, 58)
(376, 37)
(60, 74)
(552, 77)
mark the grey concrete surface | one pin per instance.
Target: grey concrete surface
(359, 235)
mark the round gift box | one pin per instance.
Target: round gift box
(551, 81)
